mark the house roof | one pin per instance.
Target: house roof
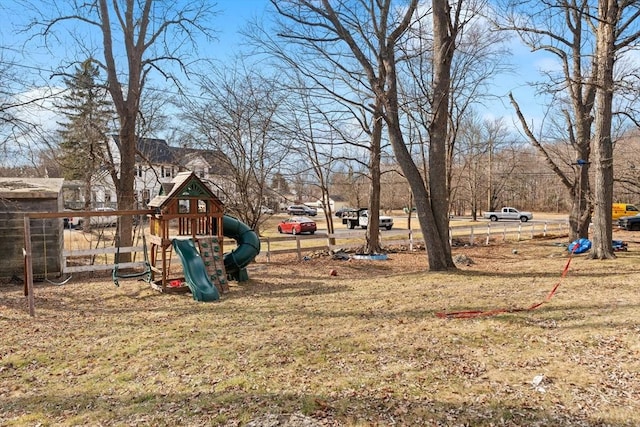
(158, 151)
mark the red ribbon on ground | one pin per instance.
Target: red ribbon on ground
(486, 313)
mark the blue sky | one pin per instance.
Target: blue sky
(34, 65)
(233, 15)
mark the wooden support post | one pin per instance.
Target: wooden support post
(28, 267)
(488, 234)
(268, 250)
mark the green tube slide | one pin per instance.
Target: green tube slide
(248, 247)
(195, 271)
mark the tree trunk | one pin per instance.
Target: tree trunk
(372, 239)
(430, 214)
(580, 214)
(603, 161)
(125, 184)
(443, 48)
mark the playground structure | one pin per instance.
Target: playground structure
(190, 210)
(188, 218)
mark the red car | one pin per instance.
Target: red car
(297, 225)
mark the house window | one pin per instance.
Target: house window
(166, 171)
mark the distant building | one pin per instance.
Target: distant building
(156, 164)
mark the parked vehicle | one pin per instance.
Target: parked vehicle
(100, 221)
(509, 213)
(631, 223)
(360, 218)
(341, 211)
(301, 210)
(297, 225)
(266, 210)
(618, 210)
(70, 221)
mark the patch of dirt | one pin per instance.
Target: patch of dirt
(400, 260)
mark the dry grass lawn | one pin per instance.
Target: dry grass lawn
(295, 346)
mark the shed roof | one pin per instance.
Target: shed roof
(30, 188)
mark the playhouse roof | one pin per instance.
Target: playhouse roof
(184, 184)
(30, 188)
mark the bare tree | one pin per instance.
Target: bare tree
(314, 129)
(372, 33)
(238, 115)
(612, 21)
(332, 46)
(478, 141)
(480, 55)
(563, 35)
(20, 130)
(137, 37)
(586, 37)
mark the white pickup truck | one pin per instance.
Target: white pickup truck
(360, 218)
(509, 213)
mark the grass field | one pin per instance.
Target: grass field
(295, 346)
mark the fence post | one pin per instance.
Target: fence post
(488, 234)
(504, 233)
(544, 229)
(471, 236)
(298, 247)
(533, 227)
(268, 250)
(411, 240)
(519, 231)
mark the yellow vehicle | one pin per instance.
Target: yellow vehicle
(623, 209)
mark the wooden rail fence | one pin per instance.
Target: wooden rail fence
(472, 235)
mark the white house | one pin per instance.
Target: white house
(158, 163)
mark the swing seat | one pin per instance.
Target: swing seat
(116, 274)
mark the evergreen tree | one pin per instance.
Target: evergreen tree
(83, 136)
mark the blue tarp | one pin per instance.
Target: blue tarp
(579, 246)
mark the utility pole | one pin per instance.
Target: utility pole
(490, 186)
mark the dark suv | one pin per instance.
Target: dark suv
(629, 223)
(301, 210)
